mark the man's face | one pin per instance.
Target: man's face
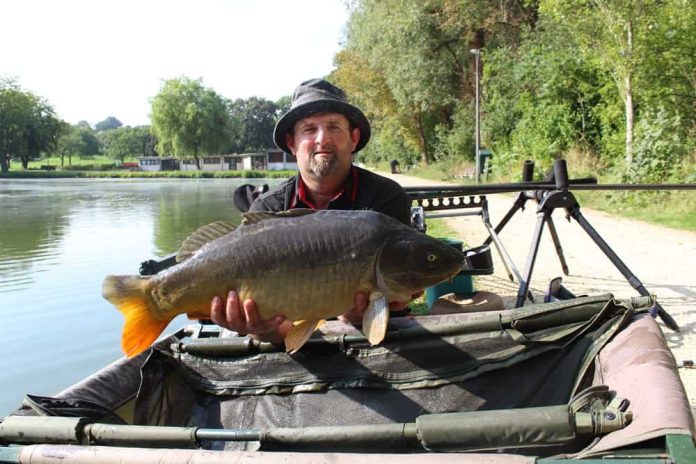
(323, 144)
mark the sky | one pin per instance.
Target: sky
(91, 59)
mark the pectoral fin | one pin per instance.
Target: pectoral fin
(300, 333)
(376, 318)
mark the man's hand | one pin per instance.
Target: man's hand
(243, 318)
(362, 301)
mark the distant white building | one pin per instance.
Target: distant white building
(278, 160)
(210, 163)
(157, 163)
(269, 160)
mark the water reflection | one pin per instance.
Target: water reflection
(179, 215)
(29, 239)
(58, 239)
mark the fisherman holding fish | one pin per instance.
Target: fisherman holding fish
(334, 241)
(323, 131)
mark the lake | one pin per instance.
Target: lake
(58, 239)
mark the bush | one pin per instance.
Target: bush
(89, 167)
(658, 149)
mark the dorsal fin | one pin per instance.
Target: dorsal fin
(200, 237)
(258, 216)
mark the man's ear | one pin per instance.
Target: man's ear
(290, 142)
(355, 138)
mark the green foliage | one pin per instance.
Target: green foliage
(256, 118)
(29, 127)
(659, 150)
(418, 63)
(190, 120)
(541, 100)
(609, 81)
(79, 140)
(408, 64)
(458, 141)
(647, 49)
(283, 104)
(124, 142)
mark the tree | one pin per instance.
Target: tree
(28, 125)
(256, 118)
(108, 124)
(615, 33)
(147, 141)
(190, 120)
(421, 64)
(392, 137)
(122, 142)
(413, 56)
(78, 140)
(543, 99)
(283, 104)
(12, 117)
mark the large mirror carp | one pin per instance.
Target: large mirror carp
(304, 264)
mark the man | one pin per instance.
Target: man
(323, 131)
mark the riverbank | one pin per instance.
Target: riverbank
(42, 174)
(676, 209)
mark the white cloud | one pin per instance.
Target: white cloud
(93, 59)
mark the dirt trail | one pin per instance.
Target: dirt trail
(662, 259)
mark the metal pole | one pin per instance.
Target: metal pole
(477, 54)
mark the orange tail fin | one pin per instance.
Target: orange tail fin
(140, 328)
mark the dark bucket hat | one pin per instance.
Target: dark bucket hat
(320, 96)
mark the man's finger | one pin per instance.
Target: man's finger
(252, 317)
(216, 314)
(234, 316)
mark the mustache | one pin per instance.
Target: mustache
(323, 150)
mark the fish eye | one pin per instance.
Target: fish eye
(431, 257)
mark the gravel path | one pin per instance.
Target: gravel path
(662, 259)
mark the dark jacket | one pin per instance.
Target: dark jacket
(363, 190)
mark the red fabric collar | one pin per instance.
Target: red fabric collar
(350, 186)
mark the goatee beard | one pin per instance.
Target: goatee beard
(322, 166)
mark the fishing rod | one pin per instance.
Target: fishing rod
(556, 179)
(576, 184)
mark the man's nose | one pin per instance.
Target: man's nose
(321, 135)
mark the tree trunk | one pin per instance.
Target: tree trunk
(4, 164)
(629, 98)
(629, 120)
(425, 155)
(198, 161)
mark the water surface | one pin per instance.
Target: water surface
(58, 239)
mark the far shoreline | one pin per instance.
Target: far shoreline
(42, 174)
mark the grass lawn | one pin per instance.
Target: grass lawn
(675, 209)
